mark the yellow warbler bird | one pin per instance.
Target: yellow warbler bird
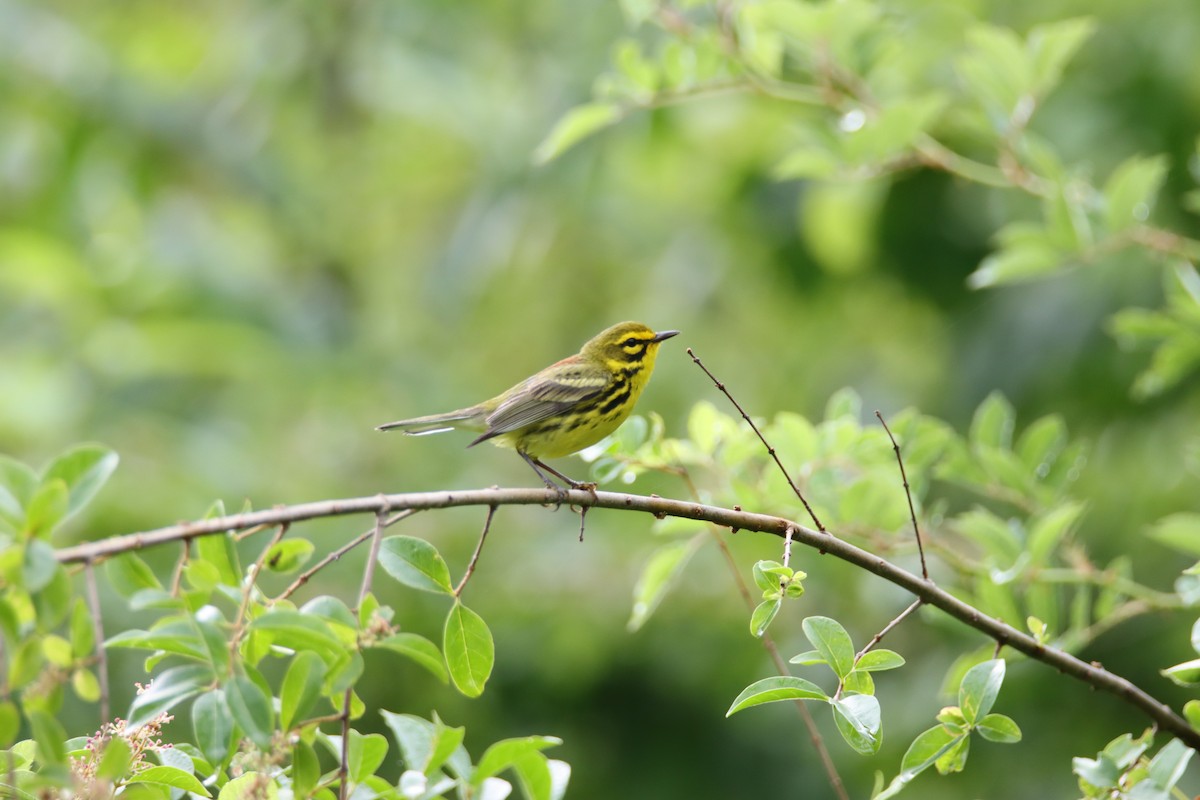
(564, 408)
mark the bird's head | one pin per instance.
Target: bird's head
(625, 344)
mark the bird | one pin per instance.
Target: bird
(569, 405)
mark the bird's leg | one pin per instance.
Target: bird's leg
(533, 463)
(587, 487)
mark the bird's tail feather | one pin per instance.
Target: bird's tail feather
(435, 423)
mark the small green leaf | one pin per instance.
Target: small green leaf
(168, 689)
(1054, 44)
(50, 737)
(1185, 674)
(220, 550)
(115, 760)
(306, 770)
(10, 723)
(129, 574)
(470, 651)
(420, 650)
(955, 758)
(83, 632)
(508, 752)
(85, 685)
(1048, 529)
(46, 509)
(833, 643)
(877, 660)
(251, 710)
(1168, 765)
(253, 786)
(999, 728)
(575, 126)
(415, 563)
(365, 754)
(297, 631)
(925, 750)
(1180, 532)
(301, 688)
(979, 688)
(763, 615)
(771, 690)
(858, 720)
(1130, 191)
(288, 555)
(212, 724)
(38, 565)
(992, 425)
(170, 776)
(662, 569)
(84, 470)
(808, 658)
(443, 744)
(1191, 711)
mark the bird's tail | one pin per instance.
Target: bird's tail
(435, 423)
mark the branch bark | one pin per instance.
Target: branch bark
(1005, 635)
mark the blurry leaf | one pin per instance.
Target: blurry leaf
(289, 555)
(1130, 191)
(858, 720)
(771, 690)
(999, 728)
(1179, 531)
(1175, 359)
(416, 563)
(251, 710)
(129, 574)
(1052, 45)
(301, 688)
(997, 70)
(17, 485)
(1191, 712)
(763, 615)
(85, 685)
(84, 469)
(115, 759)
(25, 663)
(638, 11)
(306, 769)
(420, 650)
(845, 403)
(50, 737)
(52, 601)
(662, 569)
(996, 536)
(10, 723)
(1017, 263)
(83, 632)
(993, 422)
(418, 739)
(954, 759)
(251, 786)
(470, 652)
(445, 742)
(38, 565)
(47, 508)
(1168, 765)
(1041, 443)
(832, 642)
(979, 689)
(172, 777)
(1134, 326)
(212, 725)
(1048, 530)
(575, 126)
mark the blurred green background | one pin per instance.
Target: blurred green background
(236, 236)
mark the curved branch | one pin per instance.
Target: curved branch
(1003, 634)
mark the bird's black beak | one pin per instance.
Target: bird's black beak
(662, 336)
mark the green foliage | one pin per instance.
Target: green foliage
(1121, 770)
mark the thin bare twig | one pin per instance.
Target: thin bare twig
(820, 541)
(177, 576)
(888, 628)
(487, 525)
(239, 625)
(770, 450)
(912, 512)
(93, 599)
(306, 576)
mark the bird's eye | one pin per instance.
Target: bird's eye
(630, 342)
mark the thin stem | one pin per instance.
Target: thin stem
(912, 512)
(888, 628)
(93, 599)
(770, 450)
(487, 525)
(252, 574)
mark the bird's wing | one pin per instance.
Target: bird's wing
(550, 392)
